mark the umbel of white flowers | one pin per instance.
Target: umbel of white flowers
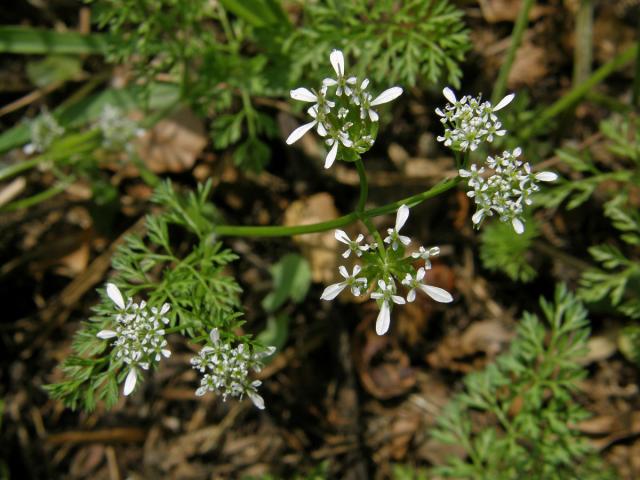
(139, 335)
(342, 111)
(225, 369)
(43, 129)
(116, 128)
(470, 121)
(383, 278)
(506, 190)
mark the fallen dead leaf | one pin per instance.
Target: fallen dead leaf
(320, 249)
(472, 349)
(529, 66)
(507, 10)
(174, 143)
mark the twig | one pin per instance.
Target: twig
(583, 53)
(516, 38)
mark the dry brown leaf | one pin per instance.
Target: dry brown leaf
(529, 66)
(471, 349)
(174, 143)
(320, 249)
(506, 10)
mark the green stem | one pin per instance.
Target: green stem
(516, 38)
(583, 52)
(179, 328)
(364, 192)
(579, 91)
(281, 231)
(35, 199)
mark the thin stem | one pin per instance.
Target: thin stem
(583, 52)
(281, 231)
(516, 38)
(364, 186)
(579, 91)
(184, 326)
(37, 198)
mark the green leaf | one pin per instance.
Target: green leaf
(276, 331)
(35, 41)
(53, 69)
(291, 280)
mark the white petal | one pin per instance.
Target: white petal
(504, 102)
(29, 149)
(329, 82)
(343, 271)
(332, 291)
(449, 95)
(364, 84)
(299, 132)
(337, 62)
(438, 294)
(356, 270)
(303, 95)
(331, 156)
(114, 294)
(477, 217)
(384, 319)
(130, 382)
(398, 299)
(420, 274)
(106, 334)
(165, 308)
(518, 226)
(546, 176)
(322, 131)
(342, 236)
(166, 353)
(401, 217)
(404, 240)
(411, 296)
(257, 400)
(373, 115)
(214, 335)
(387, 96)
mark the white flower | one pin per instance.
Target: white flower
(354, 245)
(436, 293)
(507, 190)
(225, 369)
(333, 142)
(302, 129)
(357, 284)
(394, 238)
(366, 103)
(470, 121)
(139, 334)
(43, 129)
(337, 62)
(426, 254)
(385, 293)
(116, 128)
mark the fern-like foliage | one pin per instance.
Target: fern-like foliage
(392, 42)
(202, 296)
(528, 393)
(501, 249)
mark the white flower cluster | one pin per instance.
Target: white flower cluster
(226, 369)
(506, 190)
(139, 335)
(43, 129)
(384, 270)
(116, 128)
(470, 121)
(342, 111)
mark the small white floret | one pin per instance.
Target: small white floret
(130, 382)
(113, 292)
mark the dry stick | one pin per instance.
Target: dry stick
(583, 53)
(516, 38)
